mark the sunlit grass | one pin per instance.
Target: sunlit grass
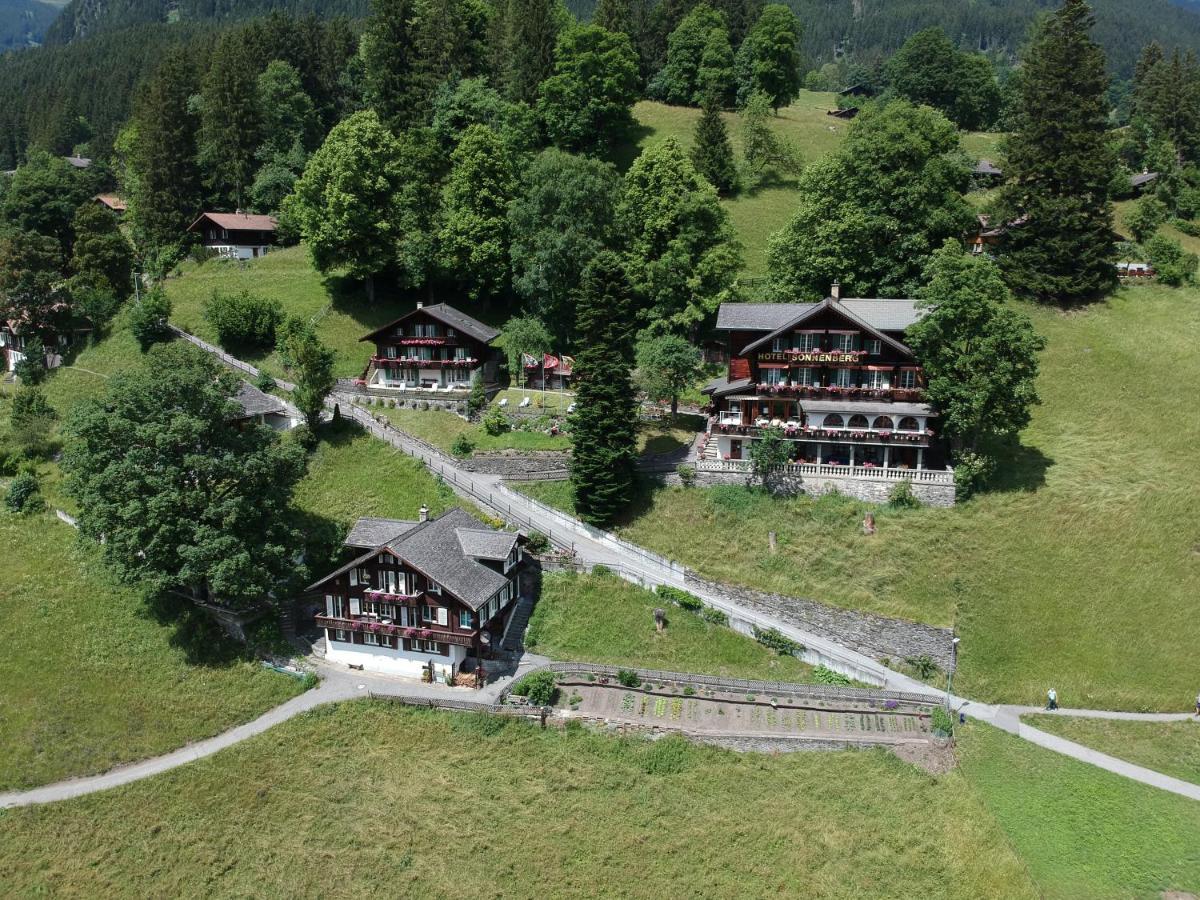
(1172, 748)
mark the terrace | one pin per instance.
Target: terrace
(383, 627)
(828, 470)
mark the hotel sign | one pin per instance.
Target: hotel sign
(810, 356)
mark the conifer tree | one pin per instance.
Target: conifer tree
(163, 158)
(712, 154)
(230, 127)
(449, 39)
(388, 61)
(101, 255)
(1060, 166)
(604, 426)
(523, 36)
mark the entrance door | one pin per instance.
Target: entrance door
(735, 449)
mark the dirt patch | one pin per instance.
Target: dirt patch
(1177, 895)
(928, 756)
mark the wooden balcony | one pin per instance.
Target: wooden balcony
(832, 392)
(422, 632)
(873, 473)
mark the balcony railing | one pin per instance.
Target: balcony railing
(418, 363)
(806, 433)
(390, 596)
(834, 392)
(877, 473)
(420, 632)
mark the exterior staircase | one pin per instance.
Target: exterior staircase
(514, 633)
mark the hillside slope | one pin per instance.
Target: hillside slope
(24, 22)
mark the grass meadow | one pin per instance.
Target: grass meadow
(94, 674)
(340, 802)
(1078, 569)
(603, 619)
(1172, 748)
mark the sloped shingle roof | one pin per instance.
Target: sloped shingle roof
(447, 315)
(880, 314)
(237, 221)
(484, 543)
(256, 403)
(370, 533)
(433, 548)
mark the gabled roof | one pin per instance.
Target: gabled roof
(237, 221)
(808, 310)
(256, 403)
(986, 167)
(719, 387)
(112, 201)
(484, 543)
(79, 162)
(436, 549)
(884, 313)
(1142, 178)
(755, 316)
(447, 315)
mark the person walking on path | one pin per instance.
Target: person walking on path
(1052, 699)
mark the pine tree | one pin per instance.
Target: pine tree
(449, 39)
(712, 153)
(1060, 165)
(604, 429)
(100, 254)
(524, 34)
(230, 128)
(167, 180)
(387, 53)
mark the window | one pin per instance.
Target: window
(354, 578)
(427, 647)
(774, 376)
(390, 352)
(876, 380)
(833, 420)
(806, 341)
(370, 638)
(807, 377)
(858, 421)
(341, 635)
(335, 607)
(425, 353)
(370, 608)
(908, 379)
(844, 342)
(908, 423)
(443, 616)
(354, 606)
(465, 620)
(883, 423)
(426, 612)
(875, 346)
(842, 378)
(460, 352)
(778, 345)
(450, 333)
(387, 610)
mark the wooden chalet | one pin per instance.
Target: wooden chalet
(260, 408)
(834, 377)
(236, 235)
(15, 335)
(419, 599)
(436, 349)
(111, 202)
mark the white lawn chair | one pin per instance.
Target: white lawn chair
(503, 401)
(525, 402)
(571, 409)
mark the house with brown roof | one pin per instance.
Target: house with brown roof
(111, 202)
(236, 235)
(418, 599)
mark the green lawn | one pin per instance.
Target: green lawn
(1189, 243)
(1172, 748)
(338, 803)
(336, 304)
(92, 677)
(1081, 831)
(604, 619)
(1074, 571)
(441, 428)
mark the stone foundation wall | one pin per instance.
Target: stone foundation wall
(939, 495)
(737, 743)
(513, 464)
(456, 405)
(872, 635)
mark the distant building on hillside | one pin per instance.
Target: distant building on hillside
(112, 202)
(236, 235)
(420, 598)
(987, 171)
(1140, 182)
(431, 354)
(15, 335)
(264, 409)
(78, 162)
(837, 380)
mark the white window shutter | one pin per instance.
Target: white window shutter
(441, 616)
(354, 606)
(353, 577)
(329, 605)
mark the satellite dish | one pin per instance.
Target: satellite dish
(485, 637)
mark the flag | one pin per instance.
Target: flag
(568, 365)
(549, 362)
(529, 362)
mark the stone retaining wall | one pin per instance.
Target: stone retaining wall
(873, 635)
(737, 743)
(505, 464)
(872, 491)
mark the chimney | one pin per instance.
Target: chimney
(420, 304)
(423, 515)
(835, 290)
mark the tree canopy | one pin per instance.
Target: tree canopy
(930, 70)
(586, 104)
(769, 58)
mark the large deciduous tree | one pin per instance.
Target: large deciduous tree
(679, 80)
(666, 366)
(559, 221)
(523, 336)
(1060, 164)
(473, 240)
(604, 425)
(930, 70)
(586, 104)
(871, 214)
(42, 196)
(979, 353)
(31, 276)
(345, 204)
(680, 250)
(183, 498)
(769, 58)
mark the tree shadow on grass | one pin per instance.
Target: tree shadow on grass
(1019, 468)
(194, 632)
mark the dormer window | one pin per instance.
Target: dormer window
(806, 341)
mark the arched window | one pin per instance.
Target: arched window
(908, 423)
(883, 423)
(833, 420)
(858, 421)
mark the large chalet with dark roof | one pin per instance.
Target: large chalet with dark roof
(835, 378)
(236, 235)
(419, 598)
(433, 349)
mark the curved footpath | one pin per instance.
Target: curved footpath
(594, 547)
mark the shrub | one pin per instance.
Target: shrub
(822, 675)
(687, 475)
(902, 496)
(714, 616)
(538, 687)
(23, 494)
(32, 369)
(942, 721)
(537, 542)
(309, 681)
(32, 420)
(1171, 265)
(777, 640)
(923, 665)
(10, 459)
(244, 319)
(628, 678)
(680, 598)
(602, 571)
(148, 318)
(1188, 227)
(496, 422)
(1145, 217)
(971, 473)
(667, 756)
(265, 383)
(477, 399)
(463, 446)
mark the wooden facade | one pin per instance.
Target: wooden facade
(432, 348)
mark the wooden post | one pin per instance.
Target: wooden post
(771, 540)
